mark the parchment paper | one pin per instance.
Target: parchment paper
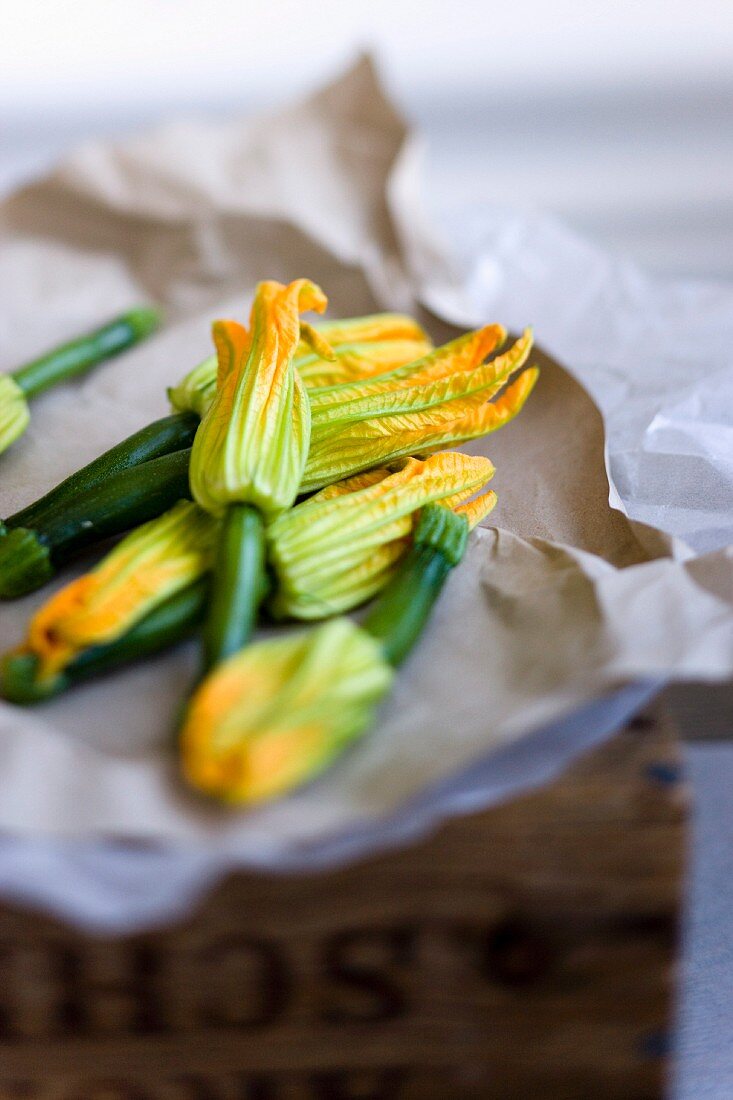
(563, 607)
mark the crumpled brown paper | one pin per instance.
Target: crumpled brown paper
(559, 602)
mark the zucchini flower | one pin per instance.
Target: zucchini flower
(66, 361)
(144, 571)
(252, 444)
(279, 712)
(250, 450)
(340, 547)
(332, 352)
(439, 401)
(14, 412)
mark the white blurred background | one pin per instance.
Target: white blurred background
(617, 115)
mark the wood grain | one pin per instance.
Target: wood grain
(519, 953)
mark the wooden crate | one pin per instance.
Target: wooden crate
(524, 952)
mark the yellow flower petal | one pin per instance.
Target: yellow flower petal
(477, 509)
(232, 343)
(318, 344)
(457, 367)
(412, 410)
(352, 362)
(376, 326)
(494, 414)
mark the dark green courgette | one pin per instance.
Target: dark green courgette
(29, 556)
(162, 437)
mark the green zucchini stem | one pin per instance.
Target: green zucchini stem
(80, 355)
(403, 608)
(238, 585)
(399, 614)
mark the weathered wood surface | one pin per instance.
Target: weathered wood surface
(520, 953)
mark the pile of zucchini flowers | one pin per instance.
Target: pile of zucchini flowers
(301, 474)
